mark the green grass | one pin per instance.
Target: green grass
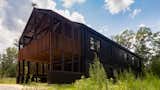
(128, 83)
(149, 82)
(98, 81)
(7, 80)
(125, 81)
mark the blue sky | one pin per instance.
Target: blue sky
(108, 17)
(99, 18)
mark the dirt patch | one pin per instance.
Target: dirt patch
(10, 87)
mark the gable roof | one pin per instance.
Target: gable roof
(34, 16)
(58, 18)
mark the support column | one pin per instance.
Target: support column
(62, 63)
(43, 77)
(28, 73)
(18, 73)
(72, 63)
(48, 67)
(51, 56)
(18, 66)
(79, 64)
(36, 72)
(51, 39)
(73, 47)
(23, 70)
(43, 68)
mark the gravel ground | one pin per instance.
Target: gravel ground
(10, 87)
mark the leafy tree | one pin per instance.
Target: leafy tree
(125, 38)
(8, 62)
(156, 44)
(143, 43)
(155, 65)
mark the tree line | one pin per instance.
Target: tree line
(8, 62)
(145, 43)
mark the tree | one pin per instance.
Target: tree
(143, 43)
(155, 65)
(8, 62)
(156, 43)
(125, 38)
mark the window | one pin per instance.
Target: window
(125, 57)
(94, 44)
(97, 45)
(133, 60)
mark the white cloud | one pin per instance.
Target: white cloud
(155, 27)
(77, 17)
(15, 13)
(104, 30)
(2, 3)
(142, 25)
(135, 13)
(7, 37)
(73, 16)
(116, 6)
(70, 3)
(47, 4)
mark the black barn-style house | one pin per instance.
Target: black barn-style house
(54, 49)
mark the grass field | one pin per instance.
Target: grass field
(97, 81)
(7, 80)
(150, 82)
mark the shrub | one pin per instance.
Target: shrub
(155, 66)
(97, 79)
(125, 80)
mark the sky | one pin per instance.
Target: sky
(109, 17)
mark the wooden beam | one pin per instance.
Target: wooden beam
(62, 62)
(23, 70)
(73, 47)
(72, 63)
(79, 64)
(48, 67)
(28, 37)
(28, 72)
(36, 72)
(19, 68)
(28, 65)
(18, 73)
(51, 50)
(43, 68)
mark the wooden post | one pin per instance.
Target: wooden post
(28, 73)
(23, 70)
(36, 72)
(18, 74)
(73, 47)
(62, 62)
(43, 68)
(18, 67)
(72, 63)
(51, 50)
(79, 64)
(28, 64)
(48, 67)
